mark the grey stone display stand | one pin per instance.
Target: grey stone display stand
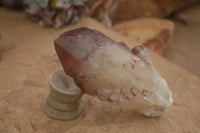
(63, 101)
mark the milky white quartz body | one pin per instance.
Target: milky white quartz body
(113, 72)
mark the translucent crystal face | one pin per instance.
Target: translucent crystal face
(113, 72)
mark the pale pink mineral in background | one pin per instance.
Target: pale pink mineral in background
(113, 72)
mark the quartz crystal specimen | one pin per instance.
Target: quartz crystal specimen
(113, 72)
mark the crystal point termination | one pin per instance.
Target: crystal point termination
(113, 72)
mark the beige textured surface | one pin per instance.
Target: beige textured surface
(184, 48)
(27, 59)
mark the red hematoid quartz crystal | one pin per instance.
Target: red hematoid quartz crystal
(113, 72)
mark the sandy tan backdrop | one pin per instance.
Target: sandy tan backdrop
(27, 59)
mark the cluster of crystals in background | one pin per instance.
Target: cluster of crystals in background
(112, 72)
(51, 13)
(57, 13)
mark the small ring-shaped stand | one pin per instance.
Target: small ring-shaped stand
(63, 101)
